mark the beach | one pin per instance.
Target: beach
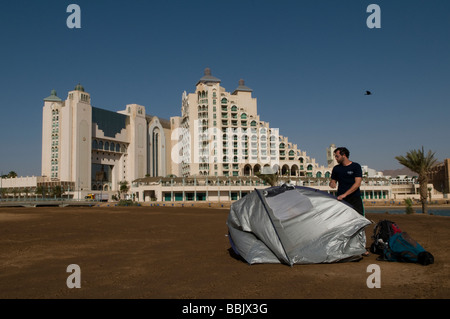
(184, 253)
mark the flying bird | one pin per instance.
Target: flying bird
(368, 93)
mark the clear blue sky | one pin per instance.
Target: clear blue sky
(308, 63)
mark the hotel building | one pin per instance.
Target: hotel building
(213, 151)
(219, 134)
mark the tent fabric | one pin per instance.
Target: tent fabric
(295, 225)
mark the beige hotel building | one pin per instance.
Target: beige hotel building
(211, 152)
(219, 135)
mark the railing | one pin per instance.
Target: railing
(46, 202)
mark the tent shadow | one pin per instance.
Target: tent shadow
(235, 256)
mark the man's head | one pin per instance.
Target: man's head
(341, 154)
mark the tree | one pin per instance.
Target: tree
(26, 190)
(124, 188)
(40, 190)
(3, 192)
(57, 191)
(12, 174)
(420, 163)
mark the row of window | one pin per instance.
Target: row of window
(236, 173)
(108, 146)
(224, 108)
(55, 143)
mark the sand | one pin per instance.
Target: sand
(184, 253)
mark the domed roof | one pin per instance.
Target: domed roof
(53, 97)
(79, 87)
(208, 78)
(242, 87)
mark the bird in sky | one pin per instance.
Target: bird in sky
(368, 93)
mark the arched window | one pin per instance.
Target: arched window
(224, 101)
(106, 146)
(234, 108)
(94, 144)
(243, 116)
(117, 148)
(155, 152)
(100, 145)
(253, 123)
(111, 148)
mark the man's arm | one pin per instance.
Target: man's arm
(354, 187)
(332, 183)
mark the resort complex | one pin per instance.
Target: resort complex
(216, 150)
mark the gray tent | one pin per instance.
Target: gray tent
(295, 225)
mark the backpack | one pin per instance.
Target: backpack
(403, 248)
(382, 232)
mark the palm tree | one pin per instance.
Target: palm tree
(123, 188)
(420, 163)
(40, 190)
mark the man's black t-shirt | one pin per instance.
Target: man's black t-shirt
(345, 176)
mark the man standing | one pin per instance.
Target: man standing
(348, 176)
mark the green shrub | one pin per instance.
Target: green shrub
(409, 208)
(127, 202)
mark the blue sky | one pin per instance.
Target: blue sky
(308, 63)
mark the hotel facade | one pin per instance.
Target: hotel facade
(213, 151)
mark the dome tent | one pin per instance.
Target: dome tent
(295, 225)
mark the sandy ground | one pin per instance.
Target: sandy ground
(184, 253)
